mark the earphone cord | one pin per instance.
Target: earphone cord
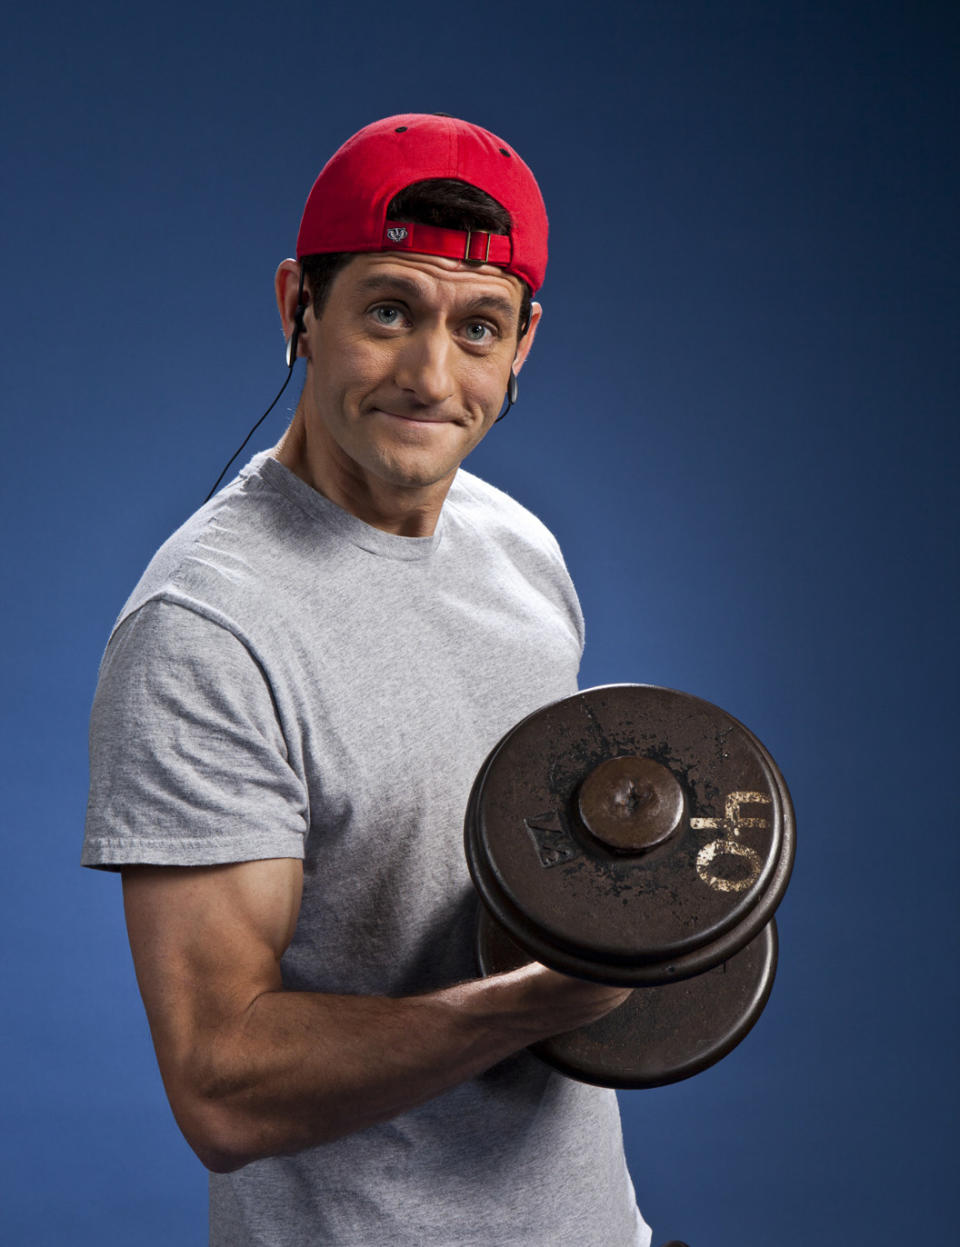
(252, 431)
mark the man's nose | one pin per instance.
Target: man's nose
(425, 366)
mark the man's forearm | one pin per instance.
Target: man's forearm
(252, 1070)
(298, 1069)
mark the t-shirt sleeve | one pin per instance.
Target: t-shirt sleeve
(188, 762)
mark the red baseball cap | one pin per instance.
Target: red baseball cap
(347, 208)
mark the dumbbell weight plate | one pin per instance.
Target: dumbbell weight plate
(630, 834)
(660, 1035)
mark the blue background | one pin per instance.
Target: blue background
(739, 418)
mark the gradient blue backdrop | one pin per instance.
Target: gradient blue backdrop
(740, 419)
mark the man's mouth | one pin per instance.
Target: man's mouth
(413, 418)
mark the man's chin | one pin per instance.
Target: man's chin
(418, 478)
(413, 468)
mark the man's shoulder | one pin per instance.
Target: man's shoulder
(225, 556)
(484, 505)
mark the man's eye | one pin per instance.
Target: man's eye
(479, 331)
(388, 316)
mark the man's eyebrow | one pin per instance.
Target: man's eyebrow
(492, 303)
(384, 283)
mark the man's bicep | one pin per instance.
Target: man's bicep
(206, 942)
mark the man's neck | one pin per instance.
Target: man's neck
(403, 511)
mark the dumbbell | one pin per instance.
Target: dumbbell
(637, 836)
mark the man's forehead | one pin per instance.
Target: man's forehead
(430, 276)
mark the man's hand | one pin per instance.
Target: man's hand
(252, 1070)
(538, 1002)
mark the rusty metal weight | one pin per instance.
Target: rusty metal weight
(635, 835)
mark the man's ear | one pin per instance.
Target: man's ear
(525, 343)
(286, 284)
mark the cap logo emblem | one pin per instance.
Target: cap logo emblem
(397, 233)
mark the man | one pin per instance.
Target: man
(290, 713)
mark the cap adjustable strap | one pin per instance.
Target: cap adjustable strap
(456, 244)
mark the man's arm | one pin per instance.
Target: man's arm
(252, 1070)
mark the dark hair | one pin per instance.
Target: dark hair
(446, 202)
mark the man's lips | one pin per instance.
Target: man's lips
(412, 418)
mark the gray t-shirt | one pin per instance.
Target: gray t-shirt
(286, 681)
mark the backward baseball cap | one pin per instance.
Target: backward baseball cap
(346, 209)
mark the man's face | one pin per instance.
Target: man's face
(409, 363)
